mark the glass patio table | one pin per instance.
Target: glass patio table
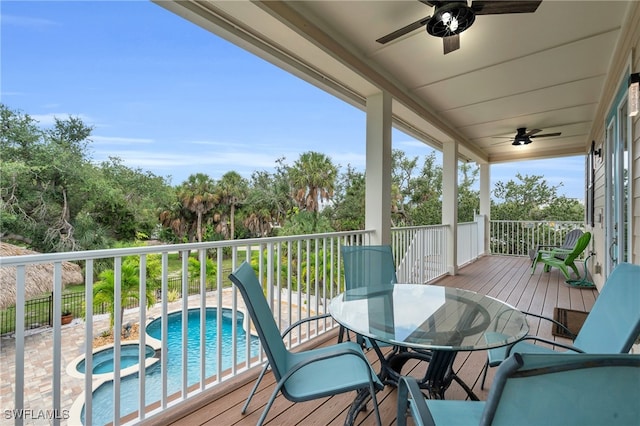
(426, 322)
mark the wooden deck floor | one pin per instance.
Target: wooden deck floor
(505, 278)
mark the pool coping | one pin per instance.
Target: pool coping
(75, 412)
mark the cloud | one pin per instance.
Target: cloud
(211, 143)
(198, 161)
(27, 22)
(49, 119)
(115, 140)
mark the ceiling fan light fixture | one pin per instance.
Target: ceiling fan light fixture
(450, 19)
(521, 141)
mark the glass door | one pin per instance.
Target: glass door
(617, 185)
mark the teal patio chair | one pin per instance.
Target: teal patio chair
(540, 389)
(611, 327)
(306, 375)
(561, 258)
(367, 266)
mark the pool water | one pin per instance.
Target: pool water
(103, 360)
(129, 386)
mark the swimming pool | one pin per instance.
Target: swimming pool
(103, 360)
(129, 386)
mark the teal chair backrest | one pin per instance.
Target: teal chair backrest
(368, 266)
(252, 293)
(565, 389)
(613, 324)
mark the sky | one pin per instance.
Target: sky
(168, 97)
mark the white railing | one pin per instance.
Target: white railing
(300, 274)
(420, 252)
(468, 247)
(519, 237)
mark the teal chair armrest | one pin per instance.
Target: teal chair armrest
(303, 321)
(411, 399)
(559, 324)
(433, 412)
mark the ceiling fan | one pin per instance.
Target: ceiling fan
(450, 18)
(523, 137)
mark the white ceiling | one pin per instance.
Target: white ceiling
(544, 70)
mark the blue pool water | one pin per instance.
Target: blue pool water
(103, 360)
(129, 386)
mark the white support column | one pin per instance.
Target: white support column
(378, 168)
(485, 203)
(450, 202)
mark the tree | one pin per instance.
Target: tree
(348, 209)
(425, 194)
(104, 289)
(232, 190)
(468, 198)
(524, 200)
(134, 199)
(53, 196)
(402, 175)
(268, 201)
(312, 178)
(176, 221)
(198, 195)
(47, 174)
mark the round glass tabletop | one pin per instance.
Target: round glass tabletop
(429, 317)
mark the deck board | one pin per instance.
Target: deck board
(503, 277)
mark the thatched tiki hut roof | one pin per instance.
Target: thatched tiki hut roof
(38, 280)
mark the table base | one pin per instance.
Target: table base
(435, 382)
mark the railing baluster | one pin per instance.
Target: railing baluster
(164, 325)
(117, 328)
(185, 321)
(203, 316)
(88, 344)
(19, 370)
(142, 348)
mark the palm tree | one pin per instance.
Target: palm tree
(232, 189)
(104, 289)
(268, 201)
(198, 195)
(313, 178)
(175, 218)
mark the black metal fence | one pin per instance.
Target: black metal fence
(39, 312)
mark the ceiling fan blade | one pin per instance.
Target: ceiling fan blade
(404, 30)
(500, 7)
(532, 132)
(546, 135)
(451, 43)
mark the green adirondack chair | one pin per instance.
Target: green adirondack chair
(561, 258)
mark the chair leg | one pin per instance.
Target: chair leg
(255, 387)
(485, 370)
(374, 400)
(263, 416)
(565, 271)
(575, 269)
(535, 262)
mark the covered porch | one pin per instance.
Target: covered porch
(508, 278)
